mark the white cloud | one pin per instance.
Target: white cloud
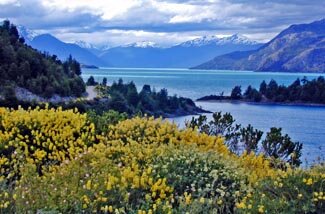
(107, 9)
(162, 21)
(4, 2)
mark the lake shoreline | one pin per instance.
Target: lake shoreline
(270, 103)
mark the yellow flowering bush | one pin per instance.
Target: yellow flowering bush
(62, 161)
(41, 136)
(150, 130)
(129, 179)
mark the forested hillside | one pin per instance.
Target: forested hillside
(40, 73)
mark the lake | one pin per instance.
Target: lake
(302, 123)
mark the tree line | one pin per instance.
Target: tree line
(301, 90)
(124, 97)
(41, 73)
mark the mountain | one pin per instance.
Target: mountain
(52, 45)
(214, 40)
(134, 55)
(143, 44)
(94, 49)
(299, 48)
(187, 54)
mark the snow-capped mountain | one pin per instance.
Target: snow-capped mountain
(215, 40)
(28, 34)
(86, 45)
(143, 44)
(184, 55)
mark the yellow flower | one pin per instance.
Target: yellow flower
(309, 182)
(202, 200)
(88, 185)
(261, 209)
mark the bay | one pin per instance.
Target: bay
(305, 124)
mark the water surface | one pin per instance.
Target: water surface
(302, 123)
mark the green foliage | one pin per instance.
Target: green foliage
(278, 147)
(124, 97)
(221, 125)
(303, 91)
(250, 138)
(213, 185)
(91, 81)
(104, 120)
(236, 93)
(40, 73)
(296, 192)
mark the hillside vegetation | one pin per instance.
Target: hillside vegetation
(124, 97)
(141, 165)
(40, 73)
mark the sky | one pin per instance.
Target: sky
(166, 22)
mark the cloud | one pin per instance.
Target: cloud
(111, 21)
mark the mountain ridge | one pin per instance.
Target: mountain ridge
(182, 55)
(299, 48)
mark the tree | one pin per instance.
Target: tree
(263, 87)
(250, 138)
(281, 147)
(132, 95)
(146, 89)
(272, 88)
(236, 93)
(91, 81)
(220, 125)
(104, 82)
(6, 25)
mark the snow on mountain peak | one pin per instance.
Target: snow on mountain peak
(84, 44)
(143, 44)
(213, 39)
(28, 34)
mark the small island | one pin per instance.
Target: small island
(89, 66)
(300, 92)
(124, 97)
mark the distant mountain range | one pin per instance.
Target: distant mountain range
(299, 48)
(184, 55)
(141, 54)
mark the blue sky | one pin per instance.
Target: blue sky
(112, 22)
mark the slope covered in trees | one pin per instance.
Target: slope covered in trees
(40, 73)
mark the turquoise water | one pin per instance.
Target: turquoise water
(304, 124)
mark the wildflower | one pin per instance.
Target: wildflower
(261, 209)
(309, 182)
(202, 200)
(88, 185)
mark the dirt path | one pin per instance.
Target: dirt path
(91, 93)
